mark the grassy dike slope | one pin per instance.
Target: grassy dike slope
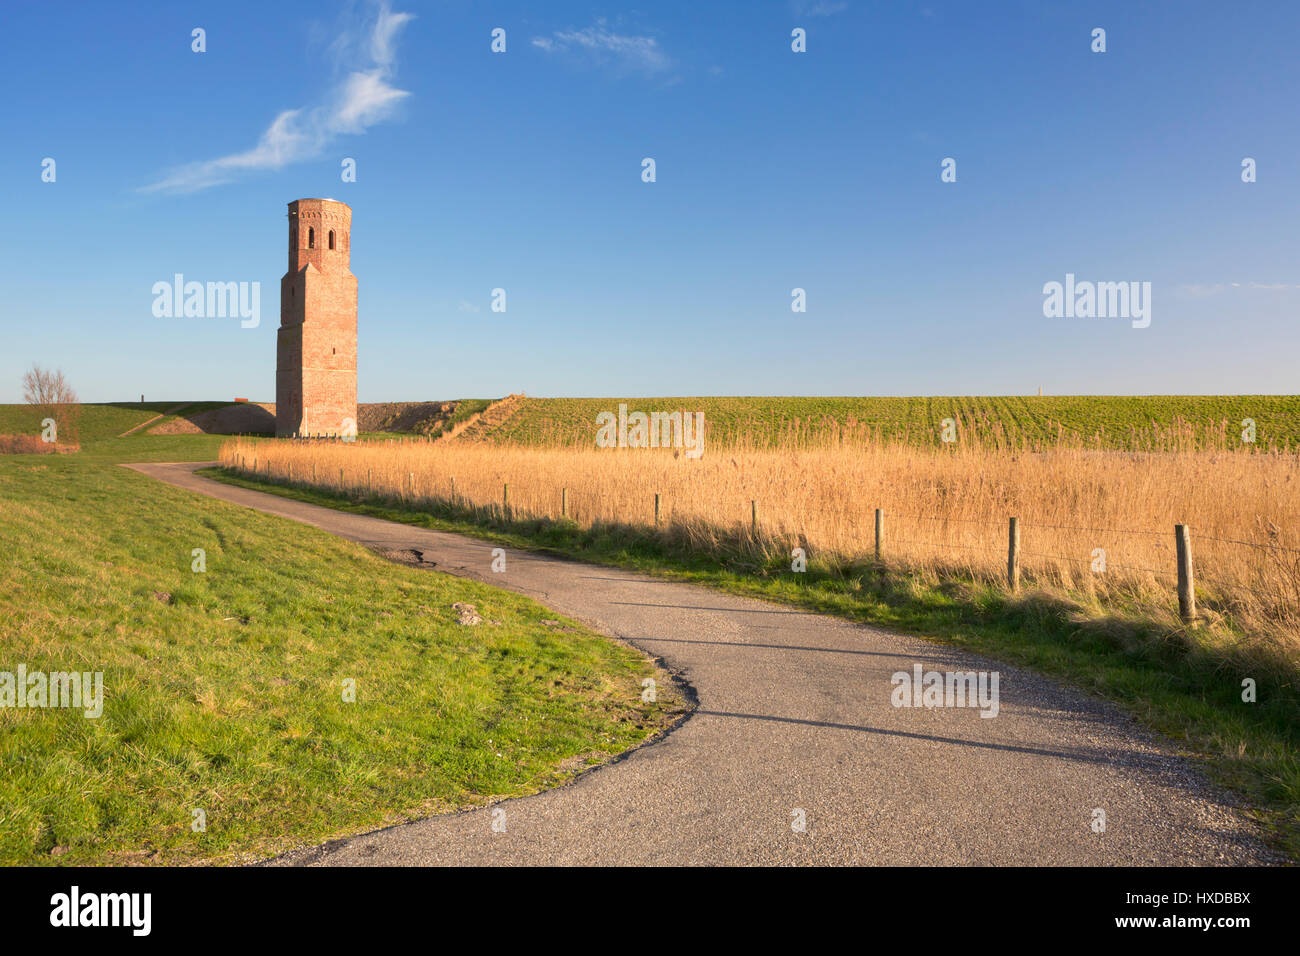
(223, 689)
(96, 421)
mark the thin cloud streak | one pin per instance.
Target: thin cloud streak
(1205, 290)
(640, 53)
(360, 100)
(818, 8)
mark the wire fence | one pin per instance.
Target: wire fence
(1001, 547)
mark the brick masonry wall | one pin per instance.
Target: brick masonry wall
(316, 345)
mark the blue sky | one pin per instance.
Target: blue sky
(775, 170)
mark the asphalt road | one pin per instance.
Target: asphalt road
(795, 714)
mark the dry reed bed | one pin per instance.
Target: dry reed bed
(944, 509)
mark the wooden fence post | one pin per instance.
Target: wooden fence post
(656, 507)
(1013, 555)
(453, 492)
(1186, 594)
(753, 516)
(880, 533)
(410, 480)
(564, 502)
(505, 500)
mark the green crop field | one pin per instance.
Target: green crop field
(1126, 422)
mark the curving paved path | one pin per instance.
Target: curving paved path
(794, 713)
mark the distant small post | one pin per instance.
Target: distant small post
(1013, 555)
(505, 499)
(453, 491)
(656, 507)
(1186, 593)
(880, 533)
(753, 516)
(564, 502)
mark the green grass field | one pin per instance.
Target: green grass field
(101, 421)
(1117, 422)
(223, 689)
(97, 421)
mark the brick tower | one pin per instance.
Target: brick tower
(316, 348)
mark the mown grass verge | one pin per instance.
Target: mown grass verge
(224, 687)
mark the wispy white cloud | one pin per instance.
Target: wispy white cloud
(363, 97)
(602, 45)
(1204, 290)
(818, 8)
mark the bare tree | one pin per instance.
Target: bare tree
(51, 395)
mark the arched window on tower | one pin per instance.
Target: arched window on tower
(311, 238)
(331, 238)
